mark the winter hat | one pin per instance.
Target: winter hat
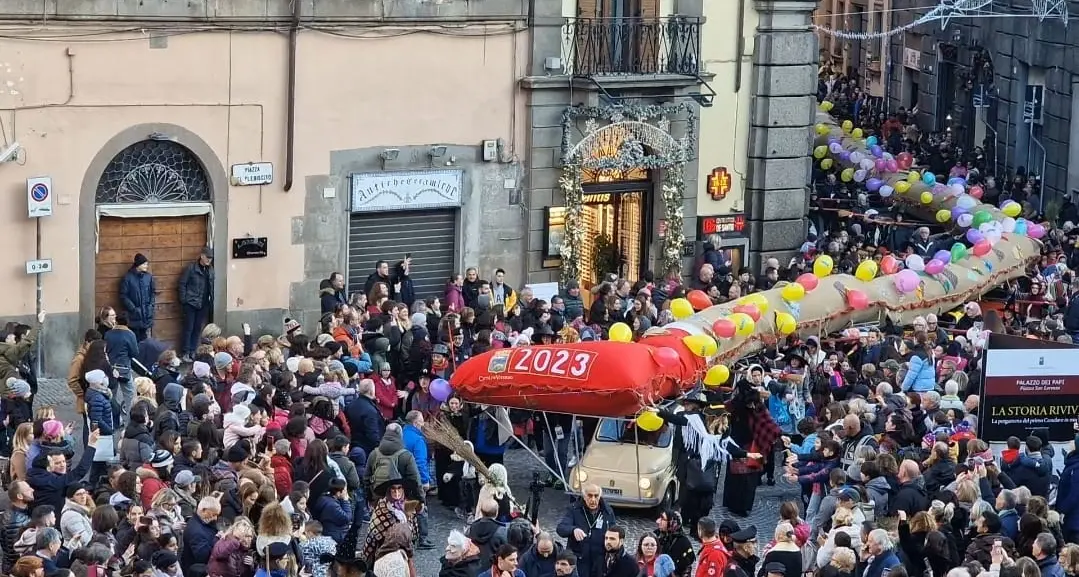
(277, 550)
(162, 559)
(186, 478)
(173, 393)
(419, 319)
(53, 428)
(322, 339)
(572, 285)
(19, 387)
(201, 369)
(96, 377)
(140, 259)
(161, 459)
(236, 454)
(222, 360)
(335, 365)
(74, 488)
(291, 325)
(242, 393)
(334, 347)
(238, 416)
(292, 364)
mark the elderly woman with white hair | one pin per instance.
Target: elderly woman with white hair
(880, 546)
(462, 557)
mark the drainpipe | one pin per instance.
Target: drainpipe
(740, 46)
(290, 134)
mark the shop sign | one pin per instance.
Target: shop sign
(406, 190)
(912, 58)
(728, 224)
(719, 183)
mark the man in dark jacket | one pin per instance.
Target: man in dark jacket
(48, 475)
(540, 559)
(365, 422)
(339, 453)
(1031, 469)
(584, 526)
(138, 293)
(1068, 497)
(122, 346)
(382, 275)
(332, 293)
(574, 304)
(334, 510)
(196, 288)
(16, 519)
(200, 535)
(618, 561)
(911, 496)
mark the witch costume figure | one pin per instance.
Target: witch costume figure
(752, 428)
(698, 455)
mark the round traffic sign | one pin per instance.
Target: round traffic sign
(39, 192)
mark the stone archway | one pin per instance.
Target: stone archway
(152, 175)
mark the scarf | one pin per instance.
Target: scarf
(397, 507)
(711, 448)
(101, 388)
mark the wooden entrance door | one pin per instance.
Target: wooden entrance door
(170, 244)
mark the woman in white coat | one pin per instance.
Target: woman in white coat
(75, 518)
(842, 522)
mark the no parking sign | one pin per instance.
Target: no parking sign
(39, 196)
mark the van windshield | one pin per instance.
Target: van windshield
(627, 431)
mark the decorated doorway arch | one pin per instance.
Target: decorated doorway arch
(645, 142)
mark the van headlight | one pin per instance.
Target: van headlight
(581, 476)
(645, 483)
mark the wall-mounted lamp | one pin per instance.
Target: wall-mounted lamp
(389, 154)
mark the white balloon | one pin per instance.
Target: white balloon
(956, 189)
(856, 157)
(966, 219)
(915, 263)
(867, 164)
(886, 191)
(993, 237)
(967, 202)
(1008, 224)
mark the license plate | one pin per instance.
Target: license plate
(609, 491)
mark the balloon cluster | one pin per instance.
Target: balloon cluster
(868, 168)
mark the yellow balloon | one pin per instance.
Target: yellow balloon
(822, 129)
(681, 309)
(826, 163)
(620, 333)
(926, 197)
(649, 421)
(822, 267)
(847, 175)
(847, 126)
(756, 299)
(826, 106)
(785, 323)
(793, 292)
(944, 215)
(902, 186)
(913, 177)
(1012, 209)
(820, 152)
(716, 376)
(701, 345)
(867, 271)
(856, 133)
(743, 324)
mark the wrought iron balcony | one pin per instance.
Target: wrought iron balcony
(627, 46)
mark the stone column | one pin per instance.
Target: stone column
(784, 89)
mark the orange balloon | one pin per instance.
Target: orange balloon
(889, 264)
(699, 299)
(808, 280)
(857, 299)
(724, 328)
(749, 310)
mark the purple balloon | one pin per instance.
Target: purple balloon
(441, 390)
(835, 148)
(877, 150)
(880, 165)
(943, 256)
(939, 189)
(957, 211)
(844, 156)
(833, 140)
(873, 184)
(893, 166)
(974, 236)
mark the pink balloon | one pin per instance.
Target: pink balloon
(982, 248)
(934, 267)
(880, 165)
(1035, 231)
(906, 281)
(976, 191)
(857, 299)
(665, 356)
(892, 166)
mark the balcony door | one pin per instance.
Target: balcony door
(619, 37)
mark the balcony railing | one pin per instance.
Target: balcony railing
(626, 46)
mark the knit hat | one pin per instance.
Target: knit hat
(53, 428)
(292, 364)
(200, 369)
(186, 478)
(19, 387)
(96, 377)
(162, 559)
(322, 339)
(140, 259)
(242, 394)
(74, 488)
(419, 319)
(161, 459)
(291, 325)
(335, 365)
(222, 360)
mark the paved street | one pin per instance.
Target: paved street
(521, 465)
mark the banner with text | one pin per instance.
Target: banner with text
(1029, 384)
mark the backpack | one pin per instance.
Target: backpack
(386, 467)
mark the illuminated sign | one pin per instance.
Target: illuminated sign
(726, 224)
(719, 183)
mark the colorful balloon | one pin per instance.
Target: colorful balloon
(964, 220)
(665, 356)
(1035, 231)
(906, 281)
(847, 175)
(785, 323)
(902, 186)
(915, 263)
(929, 178)
(886, 191)
(822, 266)
(976, 191)
(756, 299)
(826, 163)
(620, 333)
(793, 292)
(934, 267)
(867, 270)
(820, 152)
(982, 248)
(716, 376)
(698, 299)
(944, 215)
(847, 126)
(701, 345)
(750, 310)
(926, 197)
(871, 141)
(808, 281)
(822, 129)
(724, 328)
(681, 309)
(441, 390)
(649, 421)
(857, 299)
(959, 252)
(913, 177)
(1011, 208)
(826, 106)
(974, 235)
(1007, 224)
(856, 133)
(905, 160)
(743, 324)
(889, 264)
(943, 256)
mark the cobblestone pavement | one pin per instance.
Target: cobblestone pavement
(521, 465)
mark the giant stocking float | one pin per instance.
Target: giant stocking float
(616, 379)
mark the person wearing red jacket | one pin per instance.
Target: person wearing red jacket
(714, 557)
(282, 468)
(386, 394)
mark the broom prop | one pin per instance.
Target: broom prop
(442, 432)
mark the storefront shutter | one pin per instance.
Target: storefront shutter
(430, 236)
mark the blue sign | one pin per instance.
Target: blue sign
(39, 192)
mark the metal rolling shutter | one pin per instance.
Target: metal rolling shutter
(429, 235)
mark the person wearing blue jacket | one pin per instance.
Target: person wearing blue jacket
(415, 443)
(334, 510)
(138, 293)
(365, 422)
(99, 402)
(48, 475)
(921, 376)
(1068, 496)
(122, 346)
